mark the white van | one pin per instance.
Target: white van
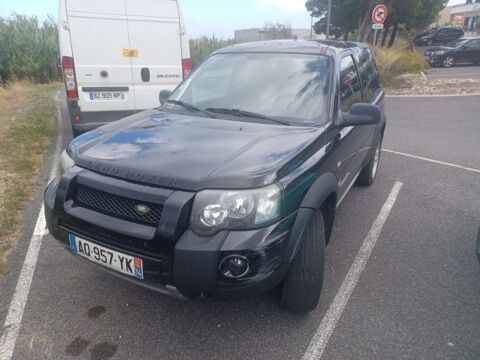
(117, 55)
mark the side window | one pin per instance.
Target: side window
(369, 75)
(474, 43)
(350, 90)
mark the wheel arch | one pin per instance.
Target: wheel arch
(322, 194)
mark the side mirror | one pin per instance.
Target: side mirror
(362, 114)
(164, 95)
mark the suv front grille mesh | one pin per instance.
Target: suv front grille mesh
(119, 206)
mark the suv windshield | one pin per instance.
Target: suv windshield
(291, 88)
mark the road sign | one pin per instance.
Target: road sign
(379, 14)
(377, 26)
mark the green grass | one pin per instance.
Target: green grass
(27, 127)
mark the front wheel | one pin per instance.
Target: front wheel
(448, 61)
(369, 172)
(303, 283)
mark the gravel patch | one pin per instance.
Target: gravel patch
(420, 85)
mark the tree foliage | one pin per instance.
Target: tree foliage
(350, 15)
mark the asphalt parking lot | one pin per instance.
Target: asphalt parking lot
(418, 296)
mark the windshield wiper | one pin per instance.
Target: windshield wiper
(190, 107)
(243, 113)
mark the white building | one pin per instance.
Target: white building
(466, 15)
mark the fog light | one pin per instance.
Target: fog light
(234, 266)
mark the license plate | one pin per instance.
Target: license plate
(107, 96)
(109, 258)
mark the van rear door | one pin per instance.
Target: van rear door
(99, 38)
(154, 31)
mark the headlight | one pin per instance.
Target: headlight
(215, 210)
(66, 163)
(441, 52)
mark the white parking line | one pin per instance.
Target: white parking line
(20, 296)
(433, 161)
(334, 312)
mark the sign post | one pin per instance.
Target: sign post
(379, 15)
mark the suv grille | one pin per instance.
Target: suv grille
(119, 206)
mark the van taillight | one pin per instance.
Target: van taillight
(187, 67)
(69, 78)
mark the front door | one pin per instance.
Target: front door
(350, 139)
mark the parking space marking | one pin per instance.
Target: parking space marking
(17, 305)
(466, 168)
(334, 312)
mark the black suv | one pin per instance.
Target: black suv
(229, 189)
(441, 35)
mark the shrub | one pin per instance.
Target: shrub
(202, 47)
(393, 62)
(28, 49)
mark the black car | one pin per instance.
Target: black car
(463, 50)
(441, 35)
(230, 188)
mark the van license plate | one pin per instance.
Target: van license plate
(112, 259)
(107, 96)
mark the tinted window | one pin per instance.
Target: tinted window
(291, 87)
(474, 43)
(350, 91)
(369, 75)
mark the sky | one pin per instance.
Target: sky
(206, 17)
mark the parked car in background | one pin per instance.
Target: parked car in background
(230, 188)
(463, 50)
(117, 55)
(441, 35)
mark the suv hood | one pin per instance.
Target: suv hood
(192, 153)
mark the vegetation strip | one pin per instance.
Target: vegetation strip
(27, 125)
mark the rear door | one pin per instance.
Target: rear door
(99, 35)
(154, 32)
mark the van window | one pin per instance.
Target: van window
(369, 74)
(350, 90)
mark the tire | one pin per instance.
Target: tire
(302, 285)
(369, 173)
(448, 61)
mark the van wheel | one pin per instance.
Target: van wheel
(369, 172)
(303, 283)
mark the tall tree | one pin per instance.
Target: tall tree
(356, 14)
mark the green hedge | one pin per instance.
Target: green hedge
(202, 47)
(28, 49)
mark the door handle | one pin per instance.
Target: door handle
(145, 73)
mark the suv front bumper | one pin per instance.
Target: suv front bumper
(174, 256)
